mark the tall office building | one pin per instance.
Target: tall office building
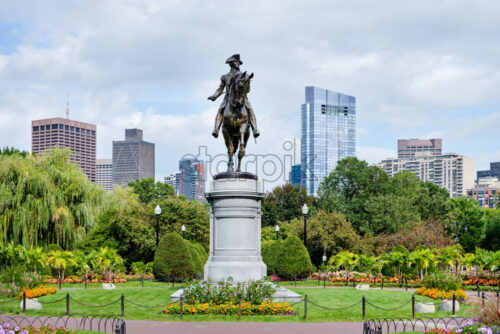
(104, 173)
(295, 175)
(79, 137)
(451, 171)
(408, 147)
(494, 171)
(328, 134)
(133, 158)
(191, 179)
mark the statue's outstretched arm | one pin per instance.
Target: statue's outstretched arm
(219, 90)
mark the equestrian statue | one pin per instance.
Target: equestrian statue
(235, 114)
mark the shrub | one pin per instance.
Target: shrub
(442, 281)
(271, 255)
(198, 257)
(173, 258)
(293, 259)
(224, 292)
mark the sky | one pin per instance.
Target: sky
(418, 69)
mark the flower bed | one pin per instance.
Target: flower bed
(80, 280)
(482, 281)
(441, 294)
(247, 308)
(469, 328)
(8, 329)
(42, 290)
(340, 277)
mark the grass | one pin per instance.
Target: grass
(156, 294)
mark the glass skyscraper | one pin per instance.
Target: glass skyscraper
(328, 134)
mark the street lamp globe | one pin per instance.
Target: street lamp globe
(305, 209)
(323, 259)
(277, 228)
(158, 210)
(183, 228)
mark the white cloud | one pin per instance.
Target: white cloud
(373, 154)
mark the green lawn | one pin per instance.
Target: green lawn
(155, 294)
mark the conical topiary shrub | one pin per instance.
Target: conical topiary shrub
(173, 259)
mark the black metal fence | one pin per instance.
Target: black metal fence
(381, 326)
(94, 323)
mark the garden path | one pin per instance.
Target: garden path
(163, 327)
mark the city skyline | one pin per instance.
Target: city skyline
(437, 81)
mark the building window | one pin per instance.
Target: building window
(36, 128)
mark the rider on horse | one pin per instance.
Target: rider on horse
(234, 62)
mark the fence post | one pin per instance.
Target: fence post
(239, 307)
(364, 306)
(60, 282)
(406, 281)
(453, 306)
(324, 282)
(123, 304)
(346, 280)
(382, 282)
(482, 297)
(24, 301)
(354, 281)
(319, 280)
(67, 303)
(142, 281)
(413, 306)
(182, 306)
(379, 329)
(85, 281)
(478, 288)
(305, 307)
(374, 280)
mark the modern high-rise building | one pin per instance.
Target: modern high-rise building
(494, 171)
(191, 179)
(451, 171)
(79, 137)
(328, 134)
(295, 175)
(133, 158)
(408, 147)
(104, 173)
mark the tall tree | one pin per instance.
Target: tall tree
(45, 200)
(469, 217)
(284, 203)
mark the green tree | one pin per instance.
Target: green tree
(148, 191)
(471, 223)
(328, 233)
(389, 213)
(45, 199)
(492, 232)
(294, 259)
(284, 203)
(108, 261)
(349, 187)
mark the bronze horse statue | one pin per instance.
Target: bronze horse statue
(235, 124)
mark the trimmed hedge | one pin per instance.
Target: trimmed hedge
(287, 258)
(173, 258)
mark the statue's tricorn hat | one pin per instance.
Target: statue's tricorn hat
(235, 57)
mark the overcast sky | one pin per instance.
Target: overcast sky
(418, 69)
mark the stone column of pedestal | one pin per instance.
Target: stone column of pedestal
(235, 215)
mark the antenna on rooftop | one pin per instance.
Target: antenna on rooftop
(67, 105)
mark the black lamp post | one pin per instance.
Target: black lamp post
(157, 213)
(183, 229)
(277, 229)
(305, 211)
(456, 232)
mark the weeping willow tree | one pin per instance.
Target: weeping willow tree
(45, 200)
